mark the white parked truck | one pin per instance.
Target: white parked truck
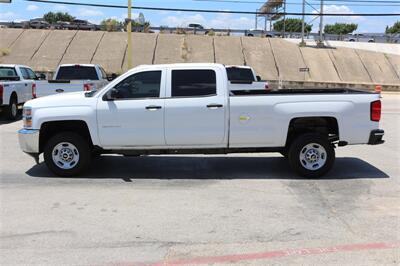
(244, 79)
(17, 85)
(73, 77)
(187, 109)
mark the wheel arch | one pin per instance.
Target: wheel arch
(51, 128)
(324, 125)
(13, 95)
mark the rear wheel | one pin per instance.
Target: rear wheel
(67, 154)
(12, 108)
(311, 155)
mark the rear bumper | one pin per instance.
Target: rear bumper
(376, 137)
(29, 141)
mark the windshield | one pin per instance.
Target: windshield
(239, 74)
(77, 73)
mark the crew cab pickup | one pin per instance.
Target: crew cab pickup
(73, 77)
(17, 85)
(187, 109)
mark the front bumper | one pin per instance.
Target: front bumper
(376, 137)
(29, 141)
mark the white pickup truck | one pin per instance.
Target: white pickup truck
(72, 78)
(244, 79)
(187, 109)
(17, 85)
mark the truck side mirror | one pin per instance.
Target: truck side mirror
(111, 95)
(258, 78)
(112, 77)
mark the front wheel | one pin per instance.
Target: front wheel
(67, 154)
(311, 155)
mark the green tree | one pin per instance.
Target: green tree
(52, 17)
(393, 29)
(340, 28)
(111, 24)
(292, 25)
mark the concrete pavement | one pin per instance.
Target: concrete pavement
(245, 209)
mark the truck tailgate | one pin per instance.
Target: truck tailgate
(45, 88)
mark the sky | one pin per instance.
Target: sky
(20, 10)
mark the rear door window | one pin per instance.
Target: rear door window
(31, 74)
(239, 74)
(103, 73)
(77, 73)
(24, 73)
(193, 83)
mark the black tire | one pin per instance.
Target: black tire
(298, 147)
(12, 108)
(82, 147)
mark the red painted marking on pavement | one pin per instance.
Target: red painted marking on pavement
(272, 254)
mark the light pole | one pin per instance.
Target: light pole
(129, 30)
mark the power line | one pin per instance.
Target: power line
(372, 3)
(219, 11)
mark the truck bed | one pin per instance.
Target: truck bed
(297, 91)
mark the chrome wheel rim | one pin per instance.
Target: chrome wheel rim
(313, 156)
(14, 110)
(65, 155)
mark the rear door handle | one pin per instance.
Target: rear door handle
(214, 106)
(153, 107)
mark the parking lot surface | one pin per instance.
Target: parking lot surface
(245, 209)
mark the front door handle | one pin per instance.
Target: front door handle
(214, 106)
(153, 107)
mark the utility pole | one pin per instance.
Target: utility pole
(321, 22)
(256, 22)
(284, 19)
(129, 30)
(302, 43)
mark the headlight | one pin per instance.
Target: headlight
(27, 117)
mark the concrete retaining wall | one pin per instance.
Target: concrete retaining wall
(228, 50)
(349, 65)
(111, 51)
(320, 64)
(143, 49)
(51, 51)
(258, 54)
(289, 60)
(273, 58)
(9, 36)
(83, 47)
(25, 46)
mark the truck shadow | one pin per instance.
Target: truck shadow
(5, 121)
(193, 167)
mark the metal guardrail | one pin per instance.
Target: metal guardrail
(359, 37)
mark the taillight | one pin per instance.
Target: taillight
(266, 86)
(86, 87)
(1, 91)
(33, 90)
(376, 109)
